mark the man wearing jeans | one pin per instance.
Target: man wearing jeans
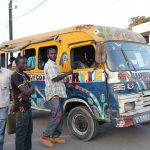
(5, 76)
(22, 90)
(55, 91)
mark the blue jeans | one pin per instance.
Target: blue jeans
(55, 123)
(3, 116)
(24, 129)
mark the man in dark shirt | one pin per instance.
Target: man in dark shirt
(22, 91)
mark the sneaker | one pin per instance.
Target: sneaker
(46, 141)
(58, 140)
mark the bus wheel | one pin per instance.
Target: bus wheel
(82, 124)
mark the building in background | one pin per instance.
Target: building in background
(143, 29)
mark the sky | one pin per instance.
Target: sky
(56, 14)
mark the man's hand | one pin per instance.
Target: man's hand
(62, 76)
(70, 72)
(12, 107)
(32, 89)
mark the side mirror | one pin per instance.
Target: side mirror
(100, 53)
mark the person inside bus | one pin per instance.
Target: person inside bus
(14, 64)
(41, 62)
(11, 60)
(80, 62)
(31, 62)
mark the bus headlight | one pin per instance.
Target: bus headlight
(129, 106)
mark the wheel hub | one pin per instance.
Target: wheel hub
(79, 124)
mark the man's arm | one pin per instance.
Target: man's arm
(12, 109)
(48, 70)
(62, 76)
(19, 83)
(26, 91)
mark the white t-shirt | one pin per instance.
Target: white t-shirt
(5, 79)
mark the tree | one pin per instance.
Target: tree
(137, 20)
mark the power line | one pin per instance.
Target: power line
(101, 9)
(108, 5)
(30, 10)
(6, 25)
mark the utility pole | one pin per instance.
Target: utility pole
(10, 21)
(10, 24)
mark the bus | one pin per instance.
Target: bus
(111, 75)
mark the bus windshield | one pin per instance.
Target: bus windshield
(123, 56)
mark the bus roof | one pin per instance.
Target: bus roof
(100, 33)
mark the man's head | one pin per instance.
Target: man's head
(52, 54)
(11, 59)
(21, 63)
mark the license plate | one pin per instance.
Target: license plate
(142, 118)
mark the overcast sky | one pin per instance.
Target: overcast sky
(57, 14)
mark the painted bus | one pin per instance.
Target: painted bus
(111, 75)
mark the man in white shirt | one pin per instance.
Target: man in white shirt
(5, 76)
(55, 91)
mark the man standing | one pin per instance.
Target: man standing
(54, 90)
(22, 91)
(5, 76)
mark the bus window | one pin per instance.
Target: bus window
(3, 59)
(42, 58)
(30, 55)
(82, 57)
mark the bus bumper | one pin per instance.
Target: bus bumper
(130, 121)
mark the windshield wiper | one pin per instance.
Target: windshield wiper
(127, 60)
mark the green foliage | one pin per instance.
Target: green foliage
(138, 20)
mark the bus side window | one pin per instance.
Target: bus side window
(42, 58)
(2, 59)
(82, 57)
(29, 54)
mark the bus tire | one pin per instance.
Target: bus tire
(82, 124)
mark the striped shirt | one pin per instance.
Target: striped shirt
(53, 88)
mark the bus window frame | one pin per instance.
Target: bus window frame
(47, 46)
(71, 47)
(5, 59)
(35, 51)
